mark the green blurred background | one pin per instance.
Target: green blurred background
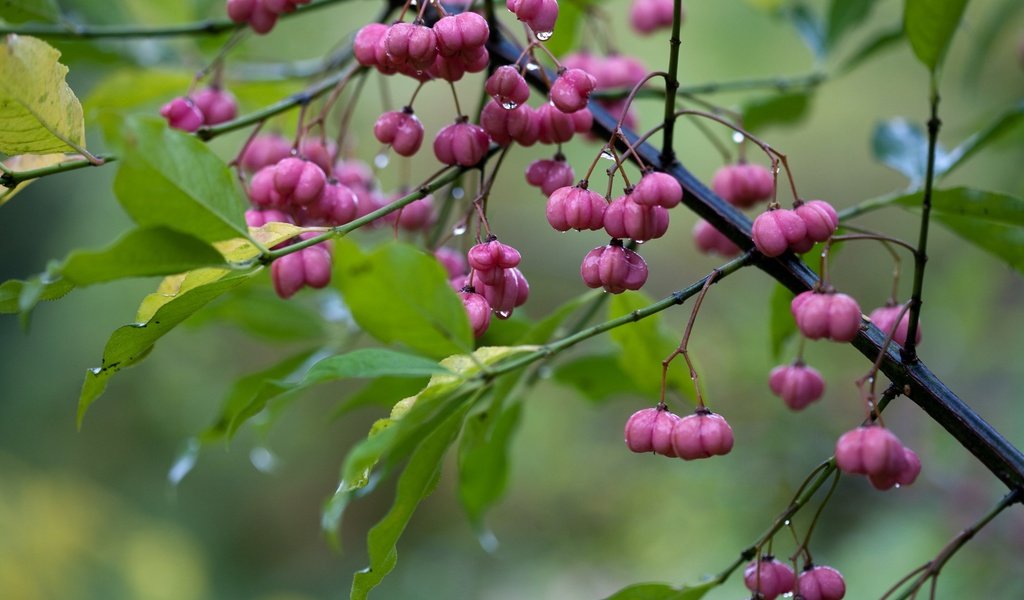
(90, 514)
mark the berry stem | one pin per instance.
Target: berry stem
(685, 342)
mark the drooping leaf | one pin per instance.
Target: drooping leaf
(930, 25)
(143, 252)
(20, 11)
(782, 326)
(418, 480)
(1005, 122)
(173, 286)
(260, 312)
(39, 113)
(844, 15)
(397, 293)
(809, 27)
(20, 296)
(661, 591)
(903, 146)
(643, 346)
(27, 162)
(990, 220)
(875, 44)
(597, 377)
(129, 344)
(172, 179)
(779, 109)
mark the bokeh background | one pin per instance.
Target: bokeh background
(90, 514)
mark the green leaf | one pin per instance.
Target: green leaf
(143, 252)
(418, 480)
(809, 27)
(1007, 121)
(397, 293)
(130, 344)
(782, 326)
(21, 296)
(597, 377)
(39, 114)
(990, 220)
(19, 11)
(170, 178)
(567, 28)
(930, 25)
(260, 312)
(643, 346)
(844, 15)
(984, 36)
(779, 109)
(661, 591)
(879, 42)
(382, 391)
(903, 146)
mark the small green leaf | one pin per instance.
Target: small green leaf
(782, 326)
(143, 252)
(661, 591)
(643, 346)
(567, 28)
(39, 114)
(903, 146)
(1005, 122)
(170, 178)
(130, 344)
(930, 25)
(597, 377)
(19, 11)
(779, 109)
(397, 293)
(418, 480)
(844, 15)
(18, 296)
(809, 27)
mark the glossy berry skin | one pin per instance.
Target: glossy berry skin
(905, 476)
(573, 207)
(418, 215)
(618, 71)
(832, 316)
(820, 219)
(298, 181)
(556, 127)
(337, 205)
(401, 129)
(452, 261)
(885, 319)
(550, 175)
(769, 577)
(411, 44)
(461, 143)
(702, 435)
(744, 184)
(658, 189)
(503, 126)
(309, 266)
(614, 268)
(461, 35)
(572, 89)
(775, 231)
(820, 583)
(478, 310)
(368, 38)
(798, 385)
(712, 241)
(507, 87)
(647, 16)
(216, 104)
(183, 114)
(540, 15)
(265, 150)
(509, 291)
(320, 151)
(650, 430)
(872, 451)
(490, 259)
(627, 219)
(259, 218)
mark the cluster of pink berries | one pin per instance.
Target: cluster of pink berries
(700, 435)
(261, 15)
(539, 15)
(507, 118)
(780, 229)
(876, 452)
(451, 48)
(488, 281)
(769, 578)
(208, 106)
(614, 71)
(743, 185)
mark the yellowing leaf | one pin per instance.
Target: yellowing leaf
(26, 162)
(38, 111)
(270, 235)
(173, 286)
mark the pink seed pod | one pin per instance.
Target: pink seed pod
(491, 258)
(573, 207)
(478, 310)
(262, 19)
(461, 34)
(182, 113)
(582, 120)
(614, 268)
(627, 219)
(556, 127)
(619, 71)
(507, 87)
(259, 218)
(797, 384)
(309, 266)
(337, 205)
(819, 218)
(452, 68)
(550, 175)
(820, 583)
(216, 104)
(744, 184)
(647, 16)
(871, 450)
(702, 435)
(769, 577)
(582, 60)
(461, 143)
(261, 190)
(712, 241)
(658, 189)
(412, 44)
(365, 44)
(519, 125)
(316, 261)
(321, 151)
(540, 15)
(299, 181)
(776, 230)
(452, 261)
(571, 90)
(832, 316)
(650, 430)
(265, 150)
(509, 291)
(240, 11)
(885, 319)
(415, 216)
(401, 129)
(354, 173)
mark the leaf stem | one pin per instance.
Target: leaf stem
(12, 178)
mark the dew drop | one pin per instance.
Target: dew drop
(897, 486)
(503, 314)
(459, 229)
(96, 370)
(509, 105)
(737, 137)
(786, 523)
(458, 193)
(640, 242)
(607, 155)
(381, 160)
(532, 67)
(544, 35)
(263, 459)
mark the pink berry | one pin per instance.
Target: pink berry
(299, 181)
(412, 44)
(337, 205)
(646, 16)
(364, 47)
(240, 11)
(797, 384)
(262, 19)
(582, 120)
(885, 319)
(614, 268)
(618, 71)
(556, 127)
(321, 151)
(582, 60)
(216, 104)
(571, 90)
(712, 241)
(182, 113)
(540, 15)
(452, 261)
(702, 435)
(265, 150)
(491, 258)
(462, 34)
(573, 207)
(354, 173)
(658, 189)
(650, 430)
(509, 291)
(872, 451)
(507, 87)
(832, 316)
(769, 577)
(819, 218)
(461, 143)
(519, 125)
(261, 190)
(550, 175)
(776, 230)
(401, 129)
(259, 218)
(478, 310)
(316, 260)
(627, 219)
(743, 184)
(309, 266)
(820, 583)
(415, 216)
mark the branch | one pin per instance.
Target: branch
(10, 179)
